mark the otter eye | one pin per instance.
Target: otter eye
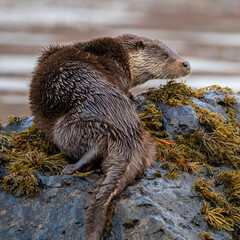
(164, 55)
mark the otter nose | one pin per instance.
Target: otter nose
(186, 65)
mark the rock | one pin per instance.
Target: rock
(183, 120)
(236, 107)
(21, 125)
(179, 121)
(160, 209)
(152, 208)
(176, 121)
(214, 101)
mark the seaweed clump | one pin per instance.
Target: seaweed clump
(24, 154)
(216, 143)
(221, 208)
(151, 120)
(207, 236)
(173, 93)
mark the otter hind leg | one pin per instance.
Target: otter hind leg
(87, 160)
(104, 193)
(117, 176)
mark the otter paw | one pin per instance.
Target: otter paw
(69, 169)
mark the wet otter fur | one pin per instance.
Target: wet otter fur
(78, 95)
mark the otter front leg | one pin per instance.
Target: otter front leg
(130, 96)
(87, 159)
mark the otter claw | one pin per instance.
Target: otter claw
(68, 170)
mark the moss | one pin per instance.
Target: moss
(32, 138)
(175, 156)
(231, 184)
(40, 161)
(211, 170)
(225, 90)
(3, 159)
(80, 174)
(6, 142)
(216, 217)
(151, 117)
(213, 148)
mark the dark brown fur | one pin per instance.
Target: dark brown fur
(78, 98)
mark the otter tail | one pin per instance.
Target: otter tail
(118, 174)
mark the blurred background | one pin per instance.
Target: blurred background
(207, 33)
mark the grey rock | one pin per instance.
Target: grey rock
(21, 125)
(213, 107)
(236, 107)
(179, 121)
(160, 209)
(176, 121)
(214, 101)
(153, 208)
(213, 97)
(183, 120)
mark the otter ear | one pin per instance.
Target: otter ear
(139, 45)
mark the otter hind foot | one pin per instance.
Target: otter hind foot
(85, 162)
(69, 169)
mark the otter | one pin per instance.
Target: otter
(78, 95)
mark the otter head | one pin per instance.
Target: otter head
(151, 59)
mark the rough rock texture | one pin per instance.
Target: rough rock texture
(153, 208)
(237, 107)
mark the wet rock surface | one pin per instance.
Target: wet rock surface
(152, 208)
